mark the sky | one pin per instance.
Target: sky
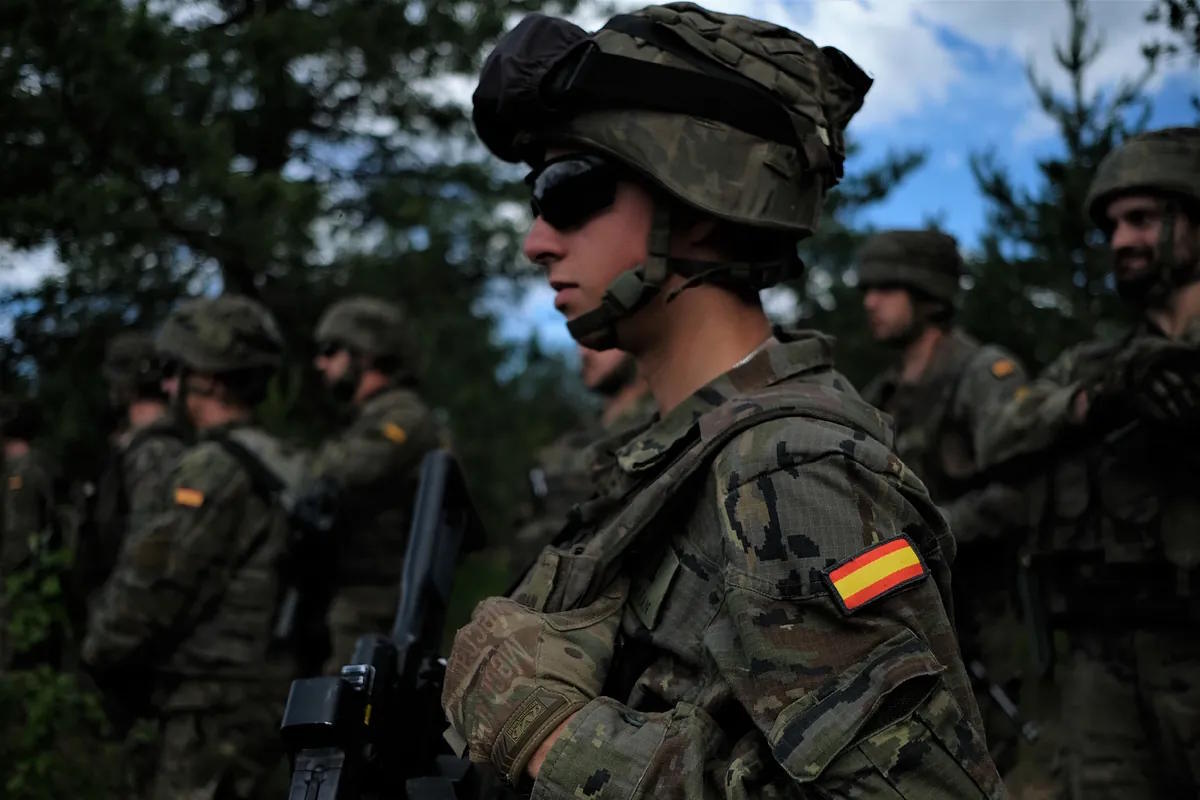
(949, 78)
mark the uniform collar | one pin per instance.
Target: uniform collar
(794, 352)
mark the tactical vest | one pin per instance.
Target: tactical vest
(601, 533)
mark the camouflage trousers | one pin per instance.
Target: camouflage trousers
(227, 750)
(1122, 721)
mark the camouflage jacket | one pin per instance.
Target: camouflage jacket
(761, 654)
(29, 513)
(940, 422)
(129, 491)
(374, 465)
(195, 589)
(1115, 506)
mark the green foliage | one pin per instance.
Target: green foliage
(1042, 281)
(1181, 21)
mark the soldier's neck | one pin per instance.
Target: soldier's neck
(625, 399)
(218, 415)
(16, 448)
(918, 354)
(143, 413)
(1181, 310)
(700, 336)
(370, 384)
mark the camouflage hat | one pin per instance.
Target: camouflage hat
(130, 360)
(1163, 161)
(221, 334)
(927, 261)
(734, 116)
(366, 325)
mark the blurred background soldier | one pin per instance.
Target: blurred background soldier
(563, 475)
(943, 392)
(370, 467)
(30, 525)
(145, 446)
(195, 591)
(1114, 426)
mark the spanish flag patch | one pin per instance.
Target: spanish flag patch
(394, 433)
(882, 570)
(192, 498)
(1002, 368)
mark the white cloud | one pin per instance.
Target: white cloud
(25, 269)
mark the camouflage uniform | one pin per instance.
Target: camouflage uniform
(939, 423)
(1113, 567)
(373, 465)
(196, 588)
(786, 630)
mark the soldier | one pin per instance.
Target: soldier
(144, 450)
(563, 475)
(195, 590)
(30, 524)
(371, 466)
(1112, 426)
(943, 393)
(756, 603)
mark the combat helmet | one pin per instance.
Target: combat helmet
(365, 325)
(131, 366)
(738, 118)
(924, 260)
(223, 334)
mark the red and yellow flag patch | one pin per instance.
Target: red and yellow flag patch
(877, 572)
(192, 498)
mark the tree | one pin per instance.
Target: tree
(1042, 278)
(1182, 19)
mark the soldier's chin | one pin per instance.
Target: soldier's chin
(1140, 288)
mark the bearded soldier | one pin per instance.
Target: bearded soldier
(370, 467)
(145, 449)
(756, 604)
(943, 393)
(1113, 427)
(563, 475)
(195, 590)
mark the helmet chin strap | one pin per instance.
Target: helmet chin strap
(1167, 273)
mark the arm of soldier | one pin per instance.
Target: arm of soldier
(847, 703)
(147, 471)
(1039, 415)
(163, 565)
(374, 450)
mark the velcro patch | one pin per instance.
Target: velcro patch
(192, 498)
(15, 483)
(394, 433)
(877, 572)
(1003, 367)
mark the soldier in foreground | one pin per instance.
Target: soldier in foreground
(943, 393)
(563, 475)
(150, 440)
(1114, 427)
(195, 589)
(369, 468)
(756, 603)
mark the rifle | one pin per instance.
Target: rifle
(367, 732)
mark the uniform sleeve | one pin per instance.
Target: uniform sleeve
(376, 449)
(1037, 417)
(841, 704)
(148, 470)
(166, 566)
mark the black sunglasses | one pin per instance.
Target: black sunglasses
(169, 368)
(329, 349)
(568, 191)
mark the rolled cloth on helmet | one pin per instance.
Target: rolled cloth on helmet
(1165, 161)
(222, 334)
(927, 261)
(739, 118)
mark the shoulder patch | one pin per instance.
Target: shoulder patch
(877, 572)
(1003, 367)
(192, 498)
(15, 483)
(394, 433)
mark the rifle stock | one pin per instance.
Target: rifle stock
(369, 730)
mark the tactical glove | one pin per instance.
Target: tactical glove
(515, 674)
(1166, 386)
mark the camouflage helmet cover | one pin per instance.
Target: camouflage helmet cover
(1163, 161)
(222, 334)
(366, 325)
(737, 117)
(130, 360)
(927, 261)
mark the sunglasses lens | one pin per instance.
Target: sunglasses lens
(568, 192)
(169, 369)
